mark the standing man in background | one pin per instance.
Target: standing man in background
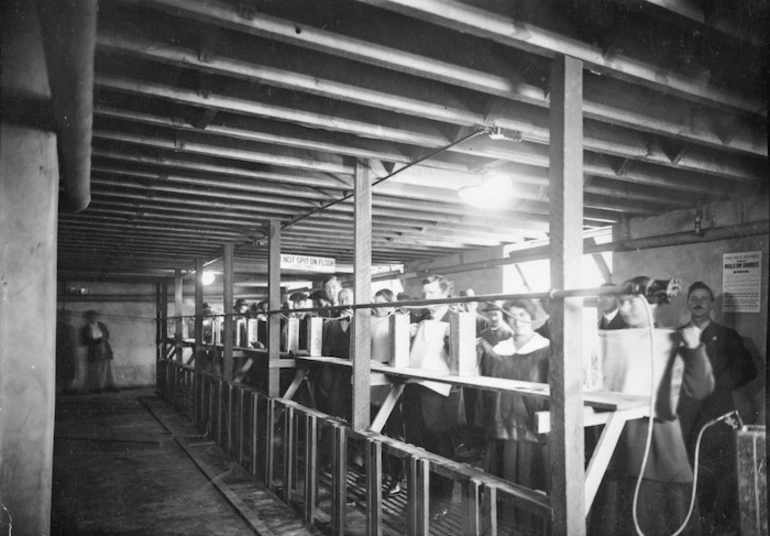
(733, 368)
(608, 305)
(432, 409)
(332, 287)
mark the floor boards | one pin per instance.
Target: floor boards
(120, 467)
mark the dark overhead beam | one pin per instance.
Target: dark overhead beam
(190, 142)
(632, 106)
(532, 154)
(507, 31)
(530, 122)
(312, 118)
(265, 131)
(693, 11)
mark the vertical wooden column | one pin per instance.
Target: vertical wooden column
(362, 265)
(198, 310)
(566, 222)
(274, 299)
(227, 300)
(164, 313)
(178, 300)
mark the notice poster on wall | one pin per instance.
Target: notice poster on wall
(308, 264)
(741, 282)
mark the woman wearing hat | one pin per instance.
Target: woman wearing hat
(514, 450)
(96, 338)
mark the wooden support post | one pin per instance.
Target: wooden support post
(462, 344)
(210, 416)
(241, 426)
(270, 443)
(311, 468)
(178, 320)
(399, 340)
(418, 497)
(197, 360)
(289, 453)
(230, 418)
(361, 344)
(374, 487)
(473, 522)
(198, 309)
(227, 301)
(490, 510)
(254, 432)
(566, 222)
(220, 410)
(339, 479)
(164, 313)
(274, 299)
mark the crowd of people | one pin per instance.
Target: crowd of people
(497, 429)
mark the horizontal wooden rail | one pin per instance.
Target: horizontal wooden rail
(602, 400)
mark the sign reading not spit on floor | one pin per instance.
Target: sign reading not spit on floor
(308, 264)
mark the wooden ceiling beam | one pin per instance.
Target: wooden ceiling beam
(530, 38)
(693, 11)
(309, 117)
(285, 177)
(535, 154)
(274, 132)
(397, 50)
(428, 103)
(178, 229)
(535, 175)
(201, 144)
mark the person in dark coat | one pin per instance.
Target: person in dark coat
(733, 368)
(497, 329)
(666, 484)
(514, 450)
(96, 337)
(608, 305)
(336, 343)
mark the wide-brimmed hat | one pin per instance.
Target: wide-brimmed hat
(91, 312)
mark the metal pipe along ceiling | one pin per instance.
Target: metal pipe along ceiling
(69, 39)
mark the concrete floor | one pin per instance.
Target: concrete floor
(118, 470)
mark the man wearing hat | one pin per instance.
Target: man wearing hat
(498, 330)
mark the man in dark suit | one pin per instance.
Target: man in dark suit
(608, 305)
(733, 368)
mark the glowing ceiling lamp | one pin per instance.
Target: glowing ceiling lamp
(207, 278)
(493, 193)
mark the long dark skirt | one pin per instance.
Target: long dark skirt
(522, 462)
(100, 375)
(525, 463)
(662, 507)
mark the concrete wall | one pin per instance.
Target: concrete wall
(489, 281)
(131, 322)
(703, 262)
(28, 208)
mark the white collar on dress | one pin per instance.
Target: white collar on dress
(506, 347)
